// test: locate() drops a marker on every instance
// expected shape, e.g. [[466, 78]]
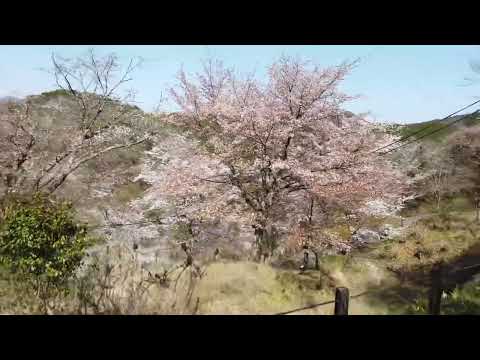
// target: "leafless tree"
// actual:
[[443, 171], [104, 120], [464, 147]]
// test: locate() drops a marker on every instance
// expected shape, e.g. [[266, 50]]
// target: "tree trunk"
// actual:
[[477, 208], [438, 198], [265, 240]]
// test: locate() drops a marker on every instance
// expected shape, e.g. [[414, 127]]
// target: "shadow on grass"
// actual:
[[410, 296], [396, 300]]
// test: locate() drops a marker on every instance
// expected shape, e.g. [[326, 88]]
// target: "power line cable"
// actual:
[[350, 164], [431, 133], [426, 127]]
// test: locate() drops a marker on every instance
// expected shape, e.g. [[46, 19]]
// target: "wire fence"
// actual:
[[435, 294], [321, 304]]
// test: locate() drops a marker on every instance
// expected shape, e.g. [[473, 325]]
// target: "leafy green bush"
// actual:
[[41, 243], [463, 300]]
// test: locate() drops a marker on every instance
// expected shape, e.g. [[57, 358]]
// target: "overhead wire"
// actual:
[[426, 127]]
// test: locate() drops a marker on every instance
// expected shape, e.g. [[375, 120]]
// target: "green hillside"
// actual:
[[436, 126]]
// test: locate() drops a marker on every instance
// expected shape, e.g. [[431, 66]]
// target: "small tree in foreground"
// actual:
[[42, 244]]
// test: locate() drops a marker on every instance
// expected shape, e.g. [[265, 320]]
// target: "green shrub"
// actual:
[[41, 243], [464, 300]]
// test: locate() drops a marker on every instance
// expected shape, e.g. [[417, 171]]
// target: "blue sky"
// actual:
[[396, 83]]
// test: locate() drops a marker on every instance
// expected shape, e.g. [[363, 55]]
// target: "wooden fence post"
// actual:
[[477, 207], [341, 301], [436, 290]]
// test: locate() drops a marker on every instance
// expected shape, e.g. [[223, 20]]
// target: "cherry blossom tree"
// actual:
[[279, 140]]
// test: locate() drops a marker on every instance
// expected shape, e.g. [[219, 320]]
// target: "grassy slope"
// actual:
[[251, 288]]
